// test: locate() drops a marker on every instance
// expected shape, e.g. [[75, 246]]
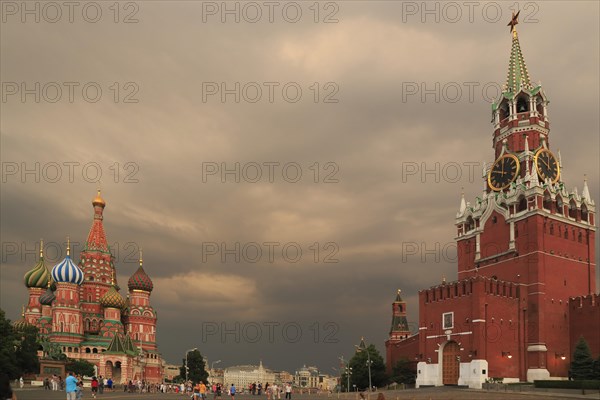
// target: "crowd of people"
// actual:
[[73, 385]]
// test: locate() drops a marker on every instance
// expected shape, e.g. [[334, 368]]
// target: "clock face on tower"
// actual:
[[547, 165], [504, 171]]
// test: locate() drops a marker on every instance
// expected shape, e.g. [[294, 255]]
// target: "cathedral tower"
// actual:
[[97, 264], [66, 314]]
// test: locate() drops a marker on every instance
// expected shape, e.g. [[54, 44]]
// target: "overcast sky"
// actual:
[[340, 101]]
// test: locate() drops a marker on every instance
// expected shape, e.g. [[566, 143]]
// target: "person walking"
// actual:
[[232, 391], [79, 389], [202, 390], [288, 391], [71, 386], [94, 386]]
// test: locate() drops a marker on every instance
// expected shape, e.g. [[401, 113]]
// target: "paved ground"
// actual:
[[416, 394]]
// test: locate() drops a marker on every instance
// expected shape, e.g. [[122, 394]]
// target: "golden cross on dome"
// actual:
[[514, 21]]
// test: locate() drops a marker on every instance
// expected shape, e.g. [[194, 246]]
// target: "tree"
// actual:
[[8, 357], [80, 367], [404, 371], [582, 366], [360, 369], [196, 371], [27, 349]]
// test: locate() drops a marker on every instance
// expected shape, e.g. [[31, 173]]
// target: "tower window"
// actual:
[[579, 237], [559, 205], [503, 110], [573, 210], [539, 105], [522, 104], [584, 213], [522, 204], [547, 202]]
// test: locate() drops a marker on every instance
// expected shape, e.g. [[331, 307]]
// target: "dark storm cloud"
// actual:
[[371, 136]]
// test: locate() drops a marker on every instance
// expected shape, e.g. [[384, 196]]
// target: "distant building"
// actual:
[[216, 376], [283, 377], [327, 382], [244, 375], [171, 371], [307, 377]]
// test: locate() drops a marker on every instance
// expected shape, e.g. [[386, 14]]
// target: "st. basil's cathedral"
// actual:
[[78, 308], [526, 287]]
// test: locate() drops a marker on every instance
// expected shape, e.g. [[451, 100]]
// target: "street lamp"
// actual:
[[186, 363], [348, 370], [369, 362]]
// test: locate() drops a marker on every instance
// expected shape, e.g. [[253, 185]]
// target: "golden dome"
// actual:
[[98, 200]]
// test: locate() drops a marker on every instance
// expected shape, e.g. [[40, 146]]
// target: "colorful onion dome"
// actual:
[[48, 297], [22, 323], [113, 299], [66, 271], [98, 200], [140, 280], [38, 276]]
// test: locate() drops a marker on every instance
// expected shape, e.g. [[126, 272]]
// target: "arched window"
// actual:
[[579, 237], [87, 350], [522, 104], [470, 224], [584, 213], [504, 110], [522, 206], [539, 105], [559, 205], [573, 209], [566, 232], [552, 229], [95, 350], [547, 201]]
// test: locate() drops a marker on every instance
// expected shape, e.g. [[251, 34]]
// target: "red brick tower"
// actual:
[[399, 331], [140, 319], [526, 260], [526, 227], [96, 262]]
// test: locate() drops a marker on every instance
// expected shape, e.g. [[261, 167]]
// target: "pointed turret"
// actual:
[[585, 192], [399, 329], [463, 204], [518, 76], [96, 237]]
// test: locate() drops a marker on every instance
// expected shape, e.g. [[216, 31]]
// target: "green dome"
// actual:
[[113, 299], [38, 276]]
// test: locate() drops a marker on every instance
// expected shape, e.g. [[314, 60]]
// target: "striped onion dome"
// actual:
[[48, 297], [22, 323], [66, 271], [140, 280], [38, 276], [113, 299]]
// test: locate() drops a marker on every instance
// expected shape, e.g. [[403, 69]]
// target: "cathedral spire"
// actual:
[[585, 193], [518, 76], [97, 238]]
